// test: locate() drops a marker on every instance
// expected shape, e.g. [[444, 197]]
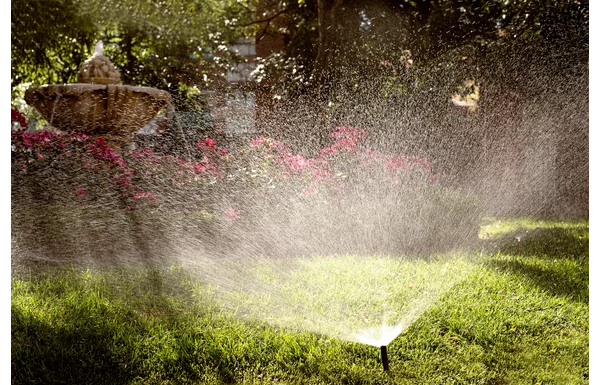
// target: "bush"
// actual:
[[348, 199], [73, 192]]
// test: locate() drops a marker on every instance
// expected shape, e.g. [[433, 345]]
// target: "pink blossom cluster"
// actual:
[[209, 148], [102, 151], [38, 139], [75, 151], [232, 215], [337, 173], [141, 176], [347, 157], [17, 116], [347, 137]]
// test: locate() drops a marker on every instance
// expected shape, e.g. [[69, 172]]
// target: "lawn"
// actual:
[[513, 310]]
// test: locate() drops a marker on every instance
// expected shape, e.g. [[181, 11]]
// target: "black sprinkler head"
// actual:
[[384, 359]]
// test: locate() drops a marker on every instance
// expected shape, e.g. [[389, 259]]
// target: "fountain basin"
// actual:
[[111, 110]]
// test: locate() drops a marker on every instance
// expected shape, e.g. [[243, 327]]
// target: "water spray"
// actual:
[[384, 359], [380, 336]]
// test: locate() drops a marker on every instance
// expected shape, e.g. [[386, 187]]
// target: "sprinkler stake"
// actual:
[[384, 359]]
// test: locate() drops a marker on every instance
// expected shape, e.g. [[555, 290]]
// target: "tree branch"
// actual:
[[266, 20]]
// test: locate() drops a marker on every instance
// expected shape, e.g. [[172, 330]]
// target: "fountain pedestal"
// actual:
[[115, 112], [98, 106]]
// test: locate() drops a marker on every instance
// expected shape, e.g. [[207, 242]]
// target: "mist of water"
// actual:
[[363, 270]]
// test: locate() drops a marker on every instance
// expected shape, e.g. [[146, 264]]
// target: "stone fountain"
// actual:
[[98, 104]]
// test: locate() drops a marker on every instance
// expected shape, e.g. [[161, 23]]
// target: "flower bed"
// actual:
[[263, 199]]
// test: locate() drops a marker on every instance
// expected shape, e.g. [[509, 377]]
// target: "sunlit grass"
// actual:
[[343, 296], [495, 228], [517, 315]]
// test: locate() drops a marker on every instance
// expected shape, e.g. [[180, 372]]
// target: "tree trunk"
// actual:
[[324, 64], [326, 52]]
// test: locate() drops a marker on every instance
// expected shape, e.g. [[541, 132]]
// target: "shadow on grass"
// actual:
[[77, 334], [554, 259], [77, 353], [565, 281], [551, 243]]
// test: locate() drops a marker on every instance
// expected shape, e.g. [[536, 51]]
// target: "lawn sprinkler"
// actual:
[[384, 359], [380, 336]]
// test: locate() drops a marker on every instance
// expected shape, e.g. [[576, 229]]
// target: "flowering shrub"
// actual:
[[338, 168], [17, 117], [348, 198], [91, 165], [72, 163]]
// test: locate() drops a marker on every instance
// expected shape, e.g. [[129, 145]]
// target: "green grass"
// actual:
[[517, 313], [339, 296]]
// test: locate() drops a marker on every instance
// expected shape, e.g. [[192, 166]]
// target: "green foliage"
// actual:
[[49, 40], [143, 33], [157, 44], [167, 43], [375, 35]]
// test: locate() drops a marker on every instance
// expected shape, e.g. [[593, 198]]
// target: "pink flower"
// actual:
[[259, 141], [215, 170], [145, 194], [100, 150], [124, 180], [345, 145], [396, 164], [296, 162], [40, 138], [199, 167], [145, 153], [206, 144], [423, 163], [326, 152], [309, 192], [78, 137], [16, 116], [80, 191], [319, 174], [100, 142], [232, 214]]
